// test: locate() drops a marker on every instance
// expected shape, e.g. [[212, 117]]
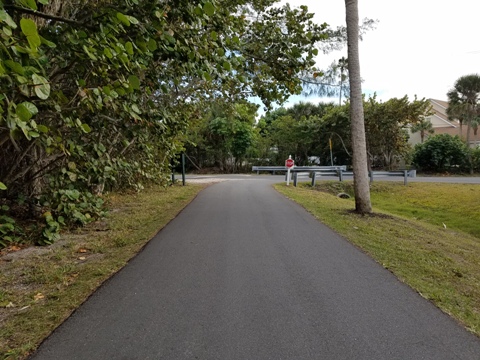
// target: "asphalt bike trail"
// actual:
[[245, 273]]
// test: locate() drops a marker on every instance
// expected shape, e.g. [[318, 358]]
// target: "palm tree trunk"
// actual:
[[469, 125], [469, 152], [359, 161]]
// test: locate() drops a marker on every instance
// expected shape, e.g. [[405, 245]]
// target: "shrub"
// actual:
[[476, 159], [441, 153], [9, 230]]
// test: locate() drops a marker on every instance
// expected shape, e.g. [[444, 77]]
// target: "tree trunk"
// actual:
[[359, 161], [471, 112], [469, 152]]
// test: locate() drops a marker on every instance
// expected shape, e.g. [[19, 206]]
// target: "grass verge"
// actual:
[[407, 236], [41, 286]]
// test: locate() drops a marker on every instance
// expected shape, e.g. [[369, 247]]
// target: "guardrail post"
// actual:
[[183, 169], [314, 175], [295, 178], [340, 175], [370, 173], [405, 174]]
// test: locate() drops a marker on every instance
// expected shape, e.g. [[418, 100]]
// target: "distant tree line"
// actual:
[[230, 140]]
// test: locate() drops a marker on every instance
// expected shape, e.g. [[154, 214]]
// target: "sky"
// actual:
[[419, 47]]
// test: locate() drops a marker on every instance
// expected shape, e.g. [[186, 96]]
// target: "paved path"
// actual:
[[280, 178], [244, 273]]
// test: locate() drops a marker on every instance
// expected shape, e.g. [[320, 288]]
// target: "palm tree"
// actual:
[[455, 112], [463, 103], [424, 127], [361, 186]]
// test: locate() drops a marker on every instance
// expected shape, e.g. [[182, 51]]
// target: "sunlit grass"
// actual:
[[407, 236]]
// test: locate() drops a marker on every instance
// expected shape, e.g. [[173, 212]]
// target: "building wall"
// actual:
[[441, 125]]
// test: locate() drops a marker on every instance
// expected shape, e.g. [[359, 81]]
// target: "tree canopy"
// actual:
[[97, 95], [306, 131], [463, 104]]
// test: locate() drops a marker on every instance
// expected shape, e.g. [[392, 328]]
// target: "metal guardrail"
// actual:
[[339, 171], [274, 169], [372, 174]]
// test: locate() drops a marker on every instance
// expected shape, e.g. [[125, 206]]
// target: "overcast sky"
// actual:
[[418, 47]]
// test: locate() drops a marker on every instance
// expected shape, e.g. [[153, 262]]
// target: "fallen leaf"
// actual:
[[70, 279], [82, 250], [15, 248], [82, 258], [10, 305], [39, 297]]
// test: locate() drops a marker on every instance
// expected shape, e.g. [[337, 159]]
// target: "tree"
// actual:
[[463, 103], [97, 97], [335, 129], [424, 127], [386, 124], [330, 82], [361, 183], [333, 81], [223, 137], [294, 131]]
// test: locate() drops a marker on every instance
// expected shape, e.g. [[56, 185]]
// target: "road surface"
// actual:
[[244, 273]]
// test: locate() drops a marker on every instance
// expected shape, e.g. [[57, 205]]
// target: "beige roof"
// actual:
[[441, 117], [440, 102]]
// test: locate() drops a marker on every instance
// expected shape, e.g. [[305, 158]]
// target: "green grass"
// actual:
[[40, 287], [406, 235], [434, 203]]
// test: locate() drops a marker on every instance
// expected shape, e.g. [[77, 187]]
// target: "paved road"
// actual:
[[244, 273], [281, 178]]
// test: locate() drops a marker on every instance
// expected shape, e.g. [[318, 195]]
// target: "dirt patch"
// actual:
[[4, 314], [25, 253], [369, 215]]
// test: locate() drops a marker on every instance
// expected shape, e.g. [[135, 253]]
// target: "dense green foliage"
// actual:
[[441, 152], [223, 138], [97, 95], [476, 159], [306, 131], [463, 105], [463, 101], [294, 131]]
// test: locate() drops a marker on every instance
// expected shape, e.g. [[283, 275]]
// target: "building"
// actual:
[[442, 125]]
